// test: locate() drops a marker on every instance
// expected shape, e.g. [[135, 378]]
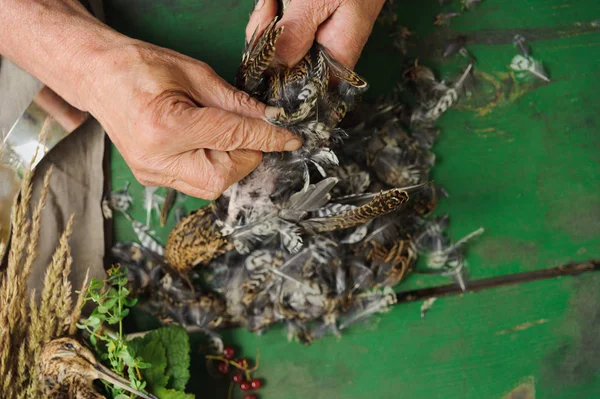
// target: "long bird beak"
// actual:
[[107, 375]]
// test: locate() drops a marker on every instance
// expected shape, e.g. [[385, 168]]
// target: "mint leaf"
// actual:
[[152, 352], [172, 394]]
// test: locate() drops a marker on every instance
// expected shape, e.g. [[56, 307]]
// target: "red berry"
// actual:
[[251, 396], [255, 383], [223, 367], [245, 386], [238, 377], [228, 352], [243, 363]]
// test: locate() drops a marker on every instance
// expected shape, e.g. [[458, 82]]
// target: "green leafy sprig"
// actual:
[[112, 305], [158, 362]]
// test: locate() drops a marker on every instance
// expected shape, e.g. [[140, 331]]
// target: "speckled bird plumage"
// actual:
[[195, 240], [68, 369], [317, 237]]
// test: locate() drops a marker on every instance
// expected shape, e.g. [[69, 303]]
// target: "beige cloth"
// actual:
[[77, 183], [76, 188]]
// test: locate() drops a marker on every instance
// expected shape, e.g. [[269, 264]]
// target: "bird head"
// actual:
[[67, 358]]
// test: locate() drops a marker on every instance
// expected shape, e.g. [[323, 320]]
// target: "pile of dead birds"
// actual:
[[316, 238]]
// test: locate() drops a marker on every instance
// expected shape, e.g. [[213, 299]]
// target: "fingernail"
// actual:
[[258, 4], [292, 144], [273, 112]]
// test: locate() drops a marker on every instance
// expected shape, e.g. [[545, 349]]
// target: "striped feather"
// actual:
[[384, 203], [258, 58], [341, 72]]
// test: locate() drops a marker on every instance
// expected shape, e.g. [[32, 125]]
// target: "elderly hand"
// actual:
[[175, 122], [341, 26], [178, 124]]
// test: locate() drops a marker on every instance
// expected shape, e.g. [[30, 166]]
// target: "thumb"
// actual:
[[301, 21]]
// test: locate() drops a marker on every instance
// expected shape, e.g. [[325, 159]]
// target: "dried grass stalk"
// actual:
[[2, 250], [24, 325], [76, 313]]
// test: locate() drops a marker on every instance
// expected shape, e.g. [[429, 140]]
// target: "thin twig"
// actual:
[[571, 269]]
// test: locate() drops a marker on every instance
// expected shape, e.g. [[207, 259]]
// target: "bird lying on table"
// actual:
[[68, 370]]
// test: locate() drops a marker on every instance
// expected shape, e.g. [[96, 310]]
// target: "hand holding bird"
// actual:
[[341, 26]]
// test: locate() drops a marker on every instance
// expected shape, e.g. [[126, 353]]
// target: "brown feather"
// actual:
[[384, 203], [258, 57], [195, 240], [342, 72]]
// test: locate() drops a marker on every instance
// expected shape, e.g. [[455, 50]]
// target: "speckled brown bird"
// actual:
[[195, 240], [68, 370]]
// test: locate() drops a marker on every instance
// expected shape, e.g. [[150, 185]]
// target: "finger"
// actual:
[[175, 172], [234, 165], [213, 91], [345, 34], [215, 129], [301, 21], [262, 15], [208, 173], [192, 191]]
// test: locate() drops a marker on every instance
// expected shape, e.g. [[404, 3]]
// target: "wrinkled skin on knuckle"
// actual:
[[225, 141], [217, 183], [161, 120], [202, 187], [150, 164], [244, 101], [159, 87], [321, 8], [296, 33], [202, 173], [348, 46], [231, 135]]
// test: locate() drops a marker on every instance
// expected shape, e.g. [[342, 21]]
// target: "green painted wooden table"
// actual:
[[521, 159]]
